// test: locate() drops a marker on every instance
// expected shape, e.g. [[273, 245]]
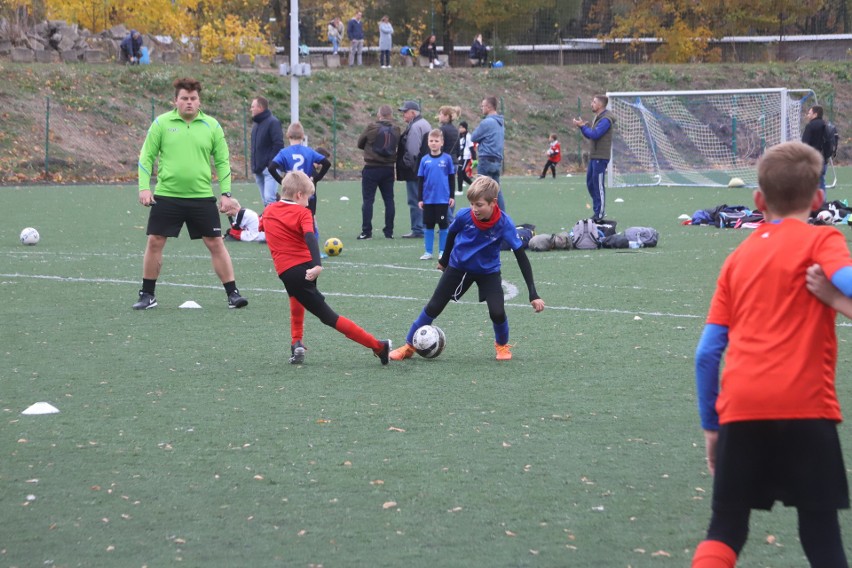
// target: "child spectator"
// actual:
[[290, 237], [245, 224], [770, 425], [473, 255], [429, 50], [436, 174], [554, 155], [467, 154]]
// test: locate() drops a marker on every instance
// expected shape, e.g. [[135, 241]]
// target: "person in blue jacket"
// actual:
[[131, 48]]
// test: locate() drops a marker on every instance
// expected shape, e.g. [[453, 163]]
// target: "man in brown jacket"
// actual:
[[379, 142]]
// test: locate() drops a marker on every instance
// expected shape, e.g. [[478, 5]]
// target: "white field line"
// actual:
[[511, 291]]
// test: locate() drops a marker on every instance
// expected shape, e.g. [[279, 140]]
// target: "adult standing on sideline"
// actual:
[[490, 135], [355, 33], [385, 42], [814, 136], [335, 34], [450, 133], [599, 134], [183, 140], [380, 142], [412, 147], [267, 138], [478, 52]]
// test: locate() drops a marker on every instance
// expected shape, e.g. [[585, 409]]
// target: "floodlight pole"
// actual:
[[294, 61]]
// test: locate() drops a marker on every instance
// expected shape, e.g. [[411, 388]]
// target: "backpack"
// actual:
[[830, 141], [386, 141], [729, 216], [526, 232], [585, 236], [542, 242]]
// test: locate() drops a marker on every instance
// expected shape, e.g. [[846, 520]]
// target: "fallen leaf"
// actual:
[[258, 477], [661, 553], [770, 539], [395, 429], [510, 533], [454, 510], [507, 445], [388, 504], [377, 482], [302, 532]]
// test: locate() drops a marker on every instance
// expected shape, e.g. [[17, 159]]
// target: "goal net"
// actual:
[[699, 138]]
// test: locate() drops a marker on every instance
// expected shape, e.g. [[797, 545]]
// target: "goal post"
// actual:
[[699, 138]]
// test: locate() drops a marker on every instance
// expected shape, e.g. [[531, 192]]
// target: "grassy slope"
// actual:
[[99, 113]]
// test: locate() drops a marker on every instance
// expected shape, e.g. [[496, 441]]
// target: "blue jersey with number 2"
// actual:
[[298, 158]]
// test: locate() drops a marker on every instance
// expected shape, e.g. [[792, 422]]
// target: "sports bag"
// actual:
[[830, 141], [585, 236], [386, 141], [645, 235], [542, 242]]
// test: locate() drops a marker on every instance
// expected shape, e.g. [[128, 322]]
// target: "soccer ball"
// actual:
[[825, 217], [29, 236], [333, 246], [429, 341]]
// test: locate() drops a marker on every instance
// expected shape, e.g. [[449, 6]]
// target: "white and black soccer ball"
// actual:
[[30, 236], [825, 217], [429, 341]]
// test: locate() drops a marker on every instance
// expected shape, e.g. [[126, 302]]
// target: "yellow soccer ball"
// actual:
[[333, 246]]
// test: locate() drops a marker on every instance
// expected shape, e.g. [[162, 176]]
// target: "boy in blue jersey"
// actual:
[[473, 255], [300, 158], [437, 174]]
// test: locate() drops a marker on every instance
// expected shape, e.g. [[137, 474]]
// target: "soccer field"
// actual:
[[185, 438]]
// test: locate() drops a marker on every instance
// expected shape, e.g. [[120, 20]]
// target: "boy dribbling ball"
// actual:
[[290, 236], [472, 254], [770, 425]]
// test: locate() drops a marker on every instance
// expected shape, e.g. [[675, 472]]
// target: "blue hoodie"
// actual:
[[490, 135]]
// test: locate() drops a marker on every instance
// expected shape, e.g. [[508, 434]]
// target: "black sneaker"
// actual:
[[297, 351], [364, 237], [146, 301], [236, 301], [384, 352]]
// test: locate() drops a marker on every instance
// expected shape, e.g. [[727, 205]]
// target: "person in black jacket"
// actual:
[[478, 52], [814, 136], [429, 50], [267, 139]]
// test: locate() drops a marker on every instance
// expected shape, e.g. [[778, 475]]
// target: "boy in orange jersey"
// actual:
[[770, 425], [289, 229]]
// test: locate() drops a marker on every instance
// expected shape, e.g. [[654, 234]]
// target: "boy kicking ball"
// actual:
[[472, 254], [290, 236], [770, 425]]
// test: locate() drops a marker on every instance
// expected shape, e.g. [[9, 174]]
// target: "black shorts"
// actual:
[[307, 293], [201, 216], [435, 214], [453, 285], [797, 462]]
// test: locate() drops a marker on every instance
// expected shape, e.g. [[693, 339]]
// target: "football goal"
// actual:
[[699, 138]]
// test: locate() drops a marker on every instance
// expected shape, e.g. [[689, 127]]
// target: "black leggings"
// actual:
[[549, 166], [819, 532], [462, 177], [453, 285], [307, 293]]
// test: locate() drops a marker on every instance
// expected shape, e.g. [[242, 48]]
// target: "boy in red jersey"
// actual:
[[554, 155], [770, 426], [289, 229]]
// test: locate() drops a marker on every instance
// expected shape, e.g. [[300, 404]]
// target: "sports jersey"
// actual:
[[298, 158], [782, 349], [436, 184], [184, 152], [476, 250], [285, 224], [554, 154], [246, 226]]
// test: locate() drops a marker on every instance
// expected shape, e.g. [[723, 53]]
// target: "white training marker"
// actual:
[[344, 198], [684, 217], [41, 408], [619, 200], [189, 304]]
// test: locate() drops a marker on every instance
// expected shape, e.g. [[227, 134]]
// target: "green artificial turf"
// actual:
[[185, 438]]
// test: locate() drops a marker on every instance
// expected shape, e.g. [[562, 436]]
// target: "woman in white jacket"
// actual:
[[335, 33], [385, 42]]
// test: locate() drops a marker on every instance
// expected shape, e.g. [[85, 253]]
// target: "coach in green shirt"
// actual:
[[183, 141]]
